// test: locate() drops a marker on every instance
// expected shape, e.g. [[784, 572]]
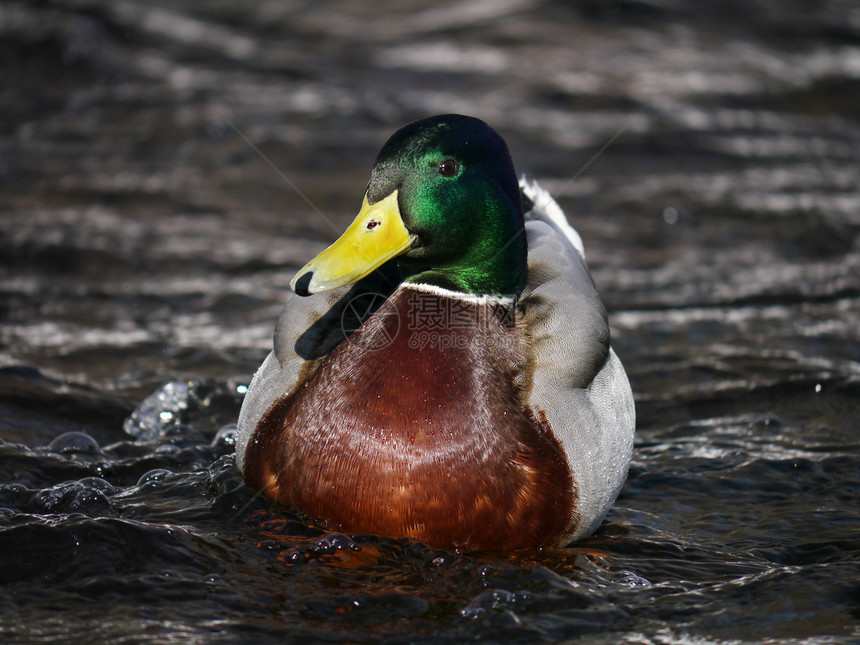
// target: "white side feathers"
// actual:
[[546, 209]]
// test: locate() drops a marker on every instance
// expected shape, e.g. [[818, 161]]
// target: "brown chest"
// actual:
[[414, 426]]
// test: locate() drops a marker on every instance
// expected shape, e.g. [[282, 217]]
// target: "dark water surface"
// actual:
[[146, 247]]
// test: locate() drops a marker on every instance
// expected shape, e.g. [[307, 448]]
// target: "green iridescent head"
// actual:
[[443, 199]]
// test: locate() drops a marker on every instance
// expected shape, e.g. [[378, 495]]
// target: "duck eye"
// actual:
[[372, 224], [449, 168]]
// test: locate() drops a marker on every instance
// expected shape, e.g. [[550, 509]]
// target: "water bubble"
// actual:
[[90, 502], [75, 442], [53, 500], [84, 496], [295, 557], [14, 488], [631, 579], [225, 439], [99, 484], [153, 476], [332, 542]]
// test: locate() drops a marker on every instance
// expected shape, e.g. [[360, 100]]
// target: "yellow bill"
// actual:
[[375, 236]]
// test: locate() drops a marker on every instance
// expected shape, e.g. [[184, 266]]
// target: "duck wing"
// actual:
[[574, 379]]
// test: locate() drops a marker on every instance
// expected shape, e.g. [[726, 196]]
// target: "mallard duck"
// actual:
[[443, 371]]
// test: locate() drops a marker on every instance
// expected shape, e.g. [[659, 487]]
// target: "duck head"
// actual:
[[444, 200]]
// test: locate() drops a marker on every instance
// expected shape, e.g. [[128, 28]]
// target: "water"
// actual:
[[146, 247]]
